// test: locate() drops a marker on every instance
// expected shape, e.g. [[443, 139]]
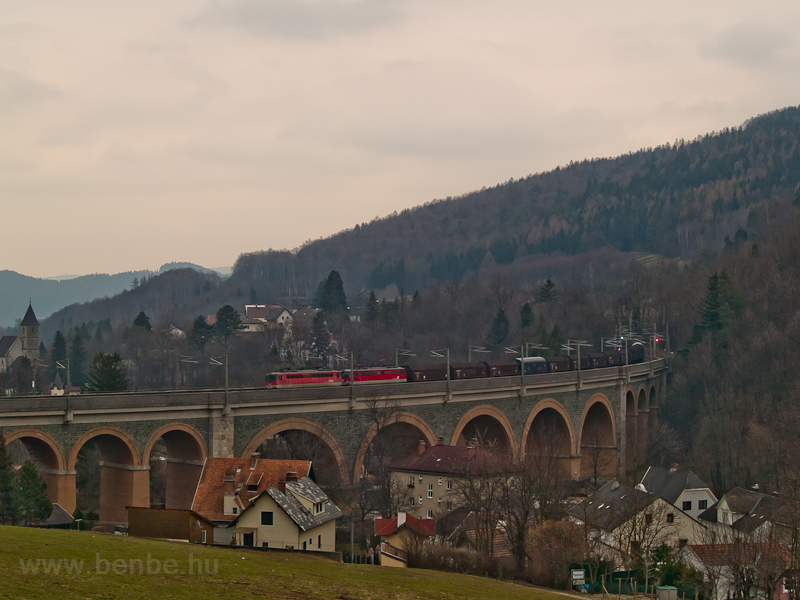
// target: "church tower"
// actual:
[[29, 335]]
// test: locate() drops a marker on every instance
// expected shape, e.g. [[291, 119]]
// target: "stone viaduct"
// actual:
[[606, 412]]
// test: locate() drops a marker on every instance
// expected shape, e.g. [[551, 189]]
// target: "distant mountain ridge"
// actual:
[[50, 295]]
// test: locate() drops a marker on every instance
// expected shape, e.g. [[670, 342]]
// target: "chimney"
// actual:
[[254, 460], [282, 485], [440, 441], [674, 467], [229, 482], [421, 448], [291, 476]]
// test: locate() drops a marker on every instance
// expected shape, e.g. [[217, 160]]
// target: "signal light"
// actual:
[[657, 340]]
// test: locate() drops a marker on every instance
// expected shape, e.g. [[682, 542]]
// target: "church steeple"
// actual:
[[29, 335], [29, 320]]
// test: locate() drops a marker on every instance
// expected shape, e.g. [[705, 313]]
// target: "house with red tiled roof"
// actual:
[[228, 486], [431, 476], [398, 533]]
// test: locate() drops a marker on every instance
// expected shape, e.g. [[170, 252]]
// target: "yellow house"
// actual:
[[294, 515], [399, 534]]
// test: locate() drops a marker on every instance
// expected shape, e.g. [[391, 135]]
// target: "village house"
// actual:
[[294, 515], [228, 486], [399, 534], [740, 569], [626, 522], [259, 317], [679, 487], [742, 513], [430, 477]]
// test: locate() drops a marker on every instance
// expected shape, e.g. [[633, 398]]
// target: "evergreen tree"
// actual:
[[499, 330], [371, 310], [525, 322], [557, 339], [333, 299], [143, 321], [77, 361], [107, 374], [201, 333], [58, 352], [548, 291], [33, 504], [228, 322], [8, 505]]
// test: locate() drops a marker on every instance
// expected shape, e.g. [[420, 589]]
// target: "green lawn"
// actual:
[[238, 573]]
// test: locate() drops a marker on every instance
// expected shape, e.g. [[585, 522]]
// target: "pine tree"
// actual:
[[228, 322], [32, 500], [525, 322], [143, 321], [107, 374], [201, 333], [333, 299], [499, 330], [371, 310], [548, 291], [8, 505], [58, 352], [77, 361]]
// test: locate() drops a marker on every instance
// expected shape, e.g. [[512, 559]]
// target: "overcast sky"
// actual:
[[134, 133]]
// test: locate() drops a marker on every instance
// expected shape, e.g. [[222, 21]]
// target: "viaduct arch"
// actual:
[[300, 424]]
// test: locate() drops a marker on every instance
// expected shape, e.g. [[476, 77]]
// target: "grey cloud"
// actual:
[[751, 45], [302, 19], [19, 91]]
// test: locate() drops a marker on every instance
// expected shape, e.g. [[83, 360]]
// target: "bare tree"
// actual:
[[480, 489], [388, 493], [530, 492]]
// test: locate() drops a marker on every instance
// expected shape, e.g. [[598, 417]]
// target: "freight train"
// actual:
[[530, 366]]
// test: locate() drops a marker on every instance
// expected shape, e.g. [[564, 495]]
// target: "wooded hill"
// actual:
[[677, 200]]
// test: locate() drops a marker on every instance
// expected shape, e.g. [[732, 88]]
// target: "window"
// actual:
[[687, 505], [702, 504], [430, 513], [203, 536], [265, 544], [420, 478], [449, 505], [411, 481], [420, 500], [449, 485], [670, 518], [235, 510], [319, 541], [648, 519], [430, 490], [304, 545], [266, 517], [439, 499], [252, 488], [411, 500], [440, 481]]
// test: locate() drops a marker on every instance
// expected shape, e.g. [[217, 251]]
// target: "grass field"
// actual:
[[92, 565]]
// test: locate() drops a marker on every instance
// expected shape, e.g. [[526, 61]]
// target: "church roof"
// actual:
[[5, 344], [29, 320]]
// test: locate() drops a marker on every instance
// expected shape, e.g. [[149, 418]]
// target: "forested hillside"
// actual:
[[677, 200]]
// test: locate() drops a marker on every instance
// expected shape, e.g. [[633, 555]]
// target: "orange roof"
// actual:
[[208, 499], [424, 527]]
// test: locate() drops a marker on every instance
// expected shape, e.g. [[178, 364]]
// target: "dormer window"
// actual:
[[252, 488], [235, 510]]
